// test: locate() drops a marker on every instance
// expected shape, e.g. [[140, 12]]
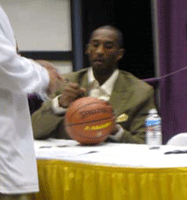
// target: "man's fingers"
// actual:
[[60, 77], [74, 86], [51, 69], [83, 90]]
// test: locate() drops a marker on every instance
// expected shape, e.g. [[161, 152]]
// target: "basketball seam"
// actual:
[[90, 137]]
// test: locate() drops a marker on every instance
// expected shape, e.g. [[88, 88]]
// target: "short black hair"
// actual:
[[118, 32]]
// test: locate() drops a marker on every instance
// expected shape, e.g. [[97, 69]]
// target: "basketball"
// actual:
[[89, 120]]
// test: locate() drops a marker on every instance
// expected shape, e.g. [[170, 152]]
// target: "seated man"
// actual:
[[130, 97]]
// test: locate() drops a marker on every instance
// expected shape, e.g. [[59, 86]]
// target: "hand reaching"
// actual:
[[56, 79]]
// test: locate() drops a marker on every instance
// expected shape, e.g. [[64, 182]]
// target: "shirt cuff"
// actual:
[[118, 135], [56, 108]]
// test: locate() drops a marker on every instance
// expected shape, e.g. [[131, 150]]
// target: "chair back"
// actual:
[[153, 81], [35, 102]]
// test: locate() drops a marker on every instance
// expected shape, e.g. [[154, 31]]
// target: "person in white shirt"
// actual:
[[18, 77], [130, 97]]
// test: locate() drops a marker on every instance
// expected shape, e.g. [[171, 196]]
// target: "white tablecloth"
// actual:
[[112, 154]]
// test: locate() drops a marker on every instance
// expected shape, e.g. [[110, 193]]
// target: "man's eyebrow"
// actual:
[[110, 42], [94, 40], [97, 40]]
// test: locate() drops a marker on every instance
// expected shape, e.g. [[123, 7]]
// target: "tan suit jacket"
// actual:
[[131, 99]]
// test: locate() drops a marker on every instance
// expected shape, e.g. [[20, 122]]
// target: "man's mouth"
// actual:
[[99, 61]]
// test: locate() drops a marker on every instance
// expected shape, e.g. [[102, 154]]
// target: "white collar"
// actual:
[[108, 85]]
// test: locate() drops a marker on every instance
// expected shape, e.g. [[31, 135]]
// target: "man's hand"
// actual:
[[71, 92], [56, 79]]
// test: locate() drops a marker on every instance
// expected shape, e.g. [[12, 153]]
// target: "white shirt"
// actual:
[[105, 90], [18, 76], [102, 92]]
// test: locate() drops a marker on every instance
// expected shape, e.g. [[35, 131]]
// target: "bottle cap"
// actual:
[[153, 111]]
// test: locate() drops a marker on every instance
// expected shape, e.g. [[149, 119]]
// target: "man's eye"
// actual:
[[109, 46], [95, 44]]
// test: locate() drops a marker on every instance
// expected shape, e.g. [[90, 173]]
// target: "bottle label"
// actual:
[[153, 135]]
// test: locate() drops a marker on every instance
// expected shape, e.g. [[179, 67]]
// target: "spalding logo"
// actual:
[[87, 113]]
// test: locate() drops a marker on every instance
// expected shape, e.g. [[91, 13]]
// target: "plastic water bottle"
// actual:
[[153, 130]]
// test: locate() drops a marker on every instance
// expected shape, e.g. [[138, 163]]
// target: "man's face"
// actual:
[[103, 49]]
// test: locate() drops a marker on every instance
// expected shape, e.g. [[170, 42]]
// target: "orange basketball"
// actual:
[[89, 120]]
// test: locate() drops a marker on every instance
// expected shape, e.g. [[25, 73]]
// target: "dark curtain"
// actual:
[[172, 37], [133, 18]]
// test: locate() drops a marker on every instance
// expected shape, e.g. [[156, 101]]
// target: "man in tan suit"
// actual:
[[130, 97]]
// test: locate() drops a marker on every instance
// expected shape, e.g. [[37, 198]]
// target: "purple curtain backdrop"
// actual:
[[172, 37]]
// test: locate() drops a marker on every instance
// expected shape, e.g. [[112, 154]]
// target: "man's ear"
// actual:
[[121, 53]]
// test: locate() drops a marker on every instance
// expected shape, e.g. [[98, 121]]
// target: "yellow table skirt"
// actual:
[[62, 180]]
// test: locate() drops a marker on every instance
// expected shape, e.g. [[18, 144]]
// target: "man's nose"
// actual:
[[100, 49]]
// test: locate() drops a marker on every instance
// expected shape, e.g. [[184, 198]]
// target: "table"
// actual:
[[110, 171]]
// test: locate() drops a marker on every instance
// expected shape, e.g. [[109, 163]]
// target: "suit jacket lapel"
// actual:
[[84, 83], [120, 95]]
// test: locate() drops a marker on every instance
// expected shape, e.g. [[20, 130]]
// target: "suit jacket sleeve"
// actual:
[[45, 122]]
